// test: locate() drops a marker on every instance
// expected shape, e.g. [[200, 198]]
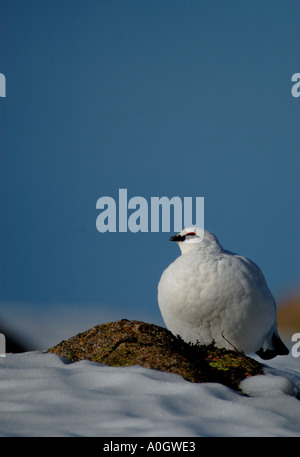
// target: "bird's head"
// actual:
[[194, 239]]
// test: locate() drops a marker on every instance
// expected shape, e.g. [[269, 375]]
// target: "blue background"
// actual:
[[163, 98]]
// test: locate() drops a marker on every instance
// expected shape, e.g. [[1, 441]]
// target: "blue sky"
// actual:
[[162, 98]]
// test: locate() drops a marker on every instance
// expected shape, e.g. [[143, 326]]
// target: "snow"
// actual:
[[44, 395]]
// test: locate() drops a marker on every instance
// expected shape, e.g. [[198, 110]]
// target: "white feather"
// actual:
[[210, 295]]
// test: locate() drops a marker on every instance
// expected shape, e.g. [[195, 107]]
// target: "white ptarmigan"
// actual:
[[210, 295]]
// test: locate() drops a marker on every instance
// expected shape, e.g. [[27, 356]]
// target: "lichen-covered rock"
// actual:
[[126, 343]]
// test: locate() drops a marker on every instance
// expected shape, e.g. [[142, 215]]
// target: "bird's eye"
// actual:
[[190, 234]]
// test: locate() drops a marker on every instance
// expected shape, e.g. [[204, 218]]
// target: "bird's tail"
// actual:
[[279, 348]]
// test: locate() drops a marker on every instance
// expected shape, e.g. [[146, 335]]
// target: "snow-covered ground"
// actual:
[[44, 395]]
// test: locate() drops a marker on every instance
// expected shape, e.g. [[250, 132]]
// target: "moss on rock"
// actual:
[[127, 343]]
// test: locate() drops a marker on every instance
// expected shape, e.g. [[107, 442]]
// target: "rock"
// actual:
[[126, 343]]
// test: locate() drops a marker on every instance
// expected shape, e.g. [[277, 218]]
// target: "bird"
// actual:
[[209, 295]]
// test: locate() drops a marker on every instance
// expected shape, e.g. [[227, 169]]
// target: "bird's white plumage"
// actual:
[[210, 295]]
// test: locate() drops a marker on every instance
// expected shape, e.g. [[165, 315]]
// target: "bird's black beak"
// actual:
[[177, 238]]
